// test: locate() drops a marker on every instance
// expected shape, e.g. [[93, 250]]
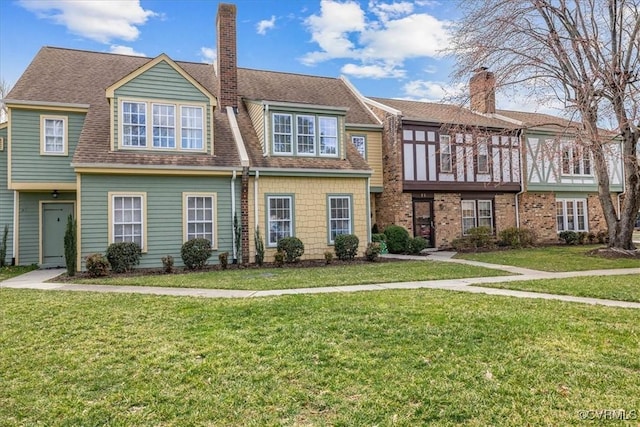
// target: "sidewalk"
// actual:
[[37, 279]]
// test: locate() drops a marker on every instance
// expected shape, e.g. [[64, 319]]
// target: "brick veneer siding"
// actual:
[[538, 213], [392, 205], [504, 211], [447, 217], [597, 221]]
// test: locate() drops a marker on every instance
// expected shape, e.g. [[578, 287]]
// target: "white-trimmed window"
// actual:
[[127, 218], [482, 156], [360, 143], [476, 213], [200, 216], [306, 134], [134, 124], [282, 134], [54, 135], [279, 218], [328, 135], [192, 128], [164, 125], [339, 216], [575, 160], [571, 215], [445, 154]]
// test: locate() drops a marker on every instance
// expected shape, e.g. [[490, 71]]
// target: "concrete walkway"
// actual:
[[37, 279]]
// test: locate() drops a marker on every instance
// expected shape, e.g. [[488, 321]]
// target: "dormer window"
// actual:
[[164, 126], [313, 134], [134, 124]]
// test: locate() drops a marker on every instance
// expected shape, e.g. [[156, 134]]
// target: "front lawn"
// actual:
[[552, 258], [8, 272], [419, 357], [295, 277], [620, 288]]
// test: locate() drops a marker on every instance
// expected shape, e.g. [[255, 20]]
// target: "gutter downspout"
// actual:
[[255, 199], [14, 232], [522, 173], [233, 215], [265, 115]]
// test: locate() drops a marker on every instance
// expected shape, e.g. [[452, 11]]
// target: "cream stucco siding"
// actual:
[[310, 197]]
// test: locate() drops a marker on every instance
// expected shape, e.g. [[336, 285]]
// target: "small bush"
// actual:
[[346, 246], [603, 237], [328, 257], [70, 248], [3, 246], [195, 253], [97, 265], [481, 237], [592, 238], [167, 264], [223, 257], [583, 237], [569, 237], [397, 239], [417, 245], [372, 252], [259, 247], [123, 256], [278, 258], [378, 237], [464, 244], [292, 247], [517, 237]]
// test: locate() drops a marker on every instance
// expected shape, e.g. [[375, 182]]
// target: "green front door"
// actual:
[[54, 224]]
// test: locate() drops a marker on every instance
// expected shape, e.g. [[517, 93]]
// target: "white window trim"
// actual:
[[317, 152], [292, 134], [483, 150], [173, 126], [149, 125], [364, 144], [268, 214], [65, 136], [476, 214], [337, 136], [349, 198], [314, 135], [582, 154], [111, 195], [214, 216], [565, 221], [445, 140]]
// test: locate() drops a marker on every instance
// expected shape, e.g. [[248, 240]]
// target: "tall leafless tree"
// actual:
[[5, 87], [585, 53]]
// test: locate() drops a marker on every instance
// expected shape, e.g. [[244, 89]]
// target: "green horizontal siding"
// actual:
[[6, 199], [164, 212], [29, 225], [27, 165], [162, 82]]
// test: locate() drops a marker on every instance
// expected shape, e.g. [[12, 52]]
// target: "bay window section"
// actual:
[[339, 216], [279, 218], [134, 124], [164, 126], [306, 135], [328, 135], [282, 134], [192, 128]]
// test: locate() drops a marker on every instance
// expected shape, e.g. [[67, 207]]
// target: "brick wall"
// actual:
[[538, 213], [227, 61], [597, 221], [504, 211], [447, 218]]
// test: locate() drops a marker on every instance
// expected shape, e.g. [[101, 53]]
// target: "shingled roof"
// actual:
[[58, 75], [442, 113]]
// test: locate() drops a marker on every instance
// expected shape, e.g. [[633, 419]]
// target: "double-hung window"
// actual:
[[306, 134], [279, 218], [128, 215], [328, 135], [571, 214], [199, 214], [483, 156], [54, 135], [339, 216], [282, 134], [445, 154], [134, 124], [476, 213], [164, 126], [575, 160], [360, 143], [192, 128]]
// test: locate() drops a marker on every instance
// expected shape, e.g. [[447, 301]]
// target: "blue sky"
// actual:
[[385, 48]]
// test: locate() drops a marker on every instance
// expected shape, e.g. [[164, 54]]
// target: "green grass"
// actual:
[[13, 271], [620, 288], [420, 357], [288, 278], [552, 258]]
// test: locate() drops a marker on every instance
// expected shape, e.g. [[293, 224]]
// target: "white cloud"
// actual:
[[101, 21], [372, 71], [266, 24], [208, 55], [125, 50], [433, 91], [390, 34]]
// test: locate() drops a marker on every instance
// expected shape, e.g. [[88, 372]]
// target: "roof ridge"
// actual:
[[288, 72]]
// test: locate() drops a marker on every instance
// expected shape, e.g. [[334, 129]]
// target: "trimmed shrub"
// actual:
[[195, 253], [517, 237], [582, 237], [167, 264], [346, 246], [372, 251], [397, 239], [259, 247], [378, 237], [417, 245], [3, 246], [97, 265], [70, 248], [569, 237], [292, 247], [278, 258], [603, 237], [592, 238], [481, 237], [464, 244], [123, 256], [328, 257], [223, 257]]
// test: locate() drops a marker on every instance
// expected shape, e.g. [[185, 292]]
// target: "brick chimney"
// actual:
[[227, 58], [483, 91]]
